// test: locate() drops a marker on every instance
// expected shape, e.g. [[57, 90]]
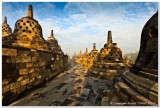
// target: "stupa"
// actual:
[[53, 43], [139, 85], [84, 60], [110, 61], [78, 59], [27, 34], [6, 30], [92, 56]]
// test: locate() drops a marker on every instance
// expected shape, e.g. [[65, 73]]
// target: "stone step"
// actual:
[[144, 86], [105, 101], [130, 96], [148, 75], [136, 68], [151, 71]]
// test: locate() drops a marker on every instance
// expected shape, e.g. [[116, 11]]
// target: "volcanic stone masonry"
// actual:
[[110, 61], [87, 59], [78, 58], [84, 60], [6, 30], [139, 85], [92, 56], [27, 59]]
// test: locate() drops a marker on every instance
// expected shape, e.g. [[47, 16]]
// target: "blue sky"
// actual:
[[77, 25]]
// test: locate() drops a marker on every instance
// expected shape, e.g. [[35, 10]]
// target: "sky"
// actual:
[[77, 25]]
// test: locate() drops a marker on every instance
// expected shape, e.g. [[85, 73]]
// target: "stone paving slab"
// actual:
[[61, 90], [85, 92]]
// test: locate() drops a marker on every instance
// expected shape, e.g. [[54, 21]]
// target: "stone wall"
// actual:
[[28, 60], [23, 69], [86, 60]]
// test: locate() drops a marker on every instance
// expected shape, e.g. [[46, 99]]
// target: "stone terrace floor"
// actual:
[[71, 88]]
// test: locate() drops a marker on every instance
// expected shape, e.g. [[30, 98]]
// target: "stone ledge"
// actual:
[[105, 101], [126, 90], [144, 86], [141, 81]]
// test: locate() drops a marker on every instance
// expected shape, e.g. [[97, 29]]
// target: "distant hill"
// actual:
[[132, 56]]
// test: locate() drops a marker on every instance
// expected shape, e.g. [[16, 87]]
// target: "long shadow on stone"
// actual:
[[89, 86], [67, 102], [60, 85]]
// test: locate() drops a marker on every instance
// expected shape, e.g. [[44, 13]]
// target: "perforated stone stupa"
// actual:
[[6, 30], [53, 43], [139, 85], [92, 56], [27, 34], [28, 60], [79, 58], [110, 61], [84, 61]]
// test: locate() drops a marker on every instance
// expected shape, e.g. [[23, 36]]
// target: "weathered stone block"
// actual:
[[108, 74], [26, 59], [18, 59], [101, 73], [38, 69], [32, 79], [53, 66], [29, 65], [124, 96], [20, 78], [5, 82], [34, 59], [39, 77], [36, 64], [37, 82], [42, 63], [20, 65], [9, 52], [21, 89], [100, 66], [14, 91], [155, 88], [153, 97], [23, 71], [31, 70], [24, 82], [106, 66], [9, 60], [85, 91], [111, 71], [105, 101], [6, 88], [15, 85], [153, 94], [34, 74], [23, 53], [27, 76], [115, 101]]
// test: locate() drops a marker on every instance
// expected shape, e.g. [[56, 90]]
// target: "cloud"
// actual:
[[82, 24]]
